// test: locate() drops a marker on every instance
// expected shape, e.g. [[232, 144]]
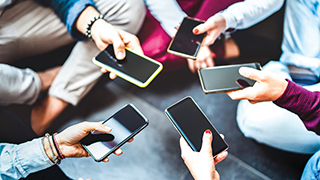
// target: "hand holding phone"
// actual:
[[185, 43], [125, 124], [268, 86], [220, 79], [137, 69], [189, 120]]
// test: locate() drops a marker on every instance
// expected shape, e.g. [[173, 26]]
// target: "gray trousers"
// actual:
[[29, 29]]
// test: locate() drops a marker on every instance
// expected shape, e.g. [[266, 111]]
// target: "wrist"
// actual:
[[49, 150], [85, 17]]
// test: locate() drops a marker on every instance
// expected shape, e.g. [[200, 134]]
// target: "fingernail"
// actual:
[[107, 128], [120, 55], [208, 131], [196, 31]]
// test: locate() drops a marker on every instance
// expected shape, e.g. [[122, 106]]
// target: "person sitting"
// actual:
[[289, 95], [45, 25]]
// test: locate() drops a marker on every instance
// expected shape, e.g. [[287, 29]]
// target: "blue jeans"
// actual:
[[312, 168]]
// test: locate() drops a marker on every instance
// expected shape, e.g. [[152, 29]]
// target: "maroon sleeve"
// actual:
[[304, 103]]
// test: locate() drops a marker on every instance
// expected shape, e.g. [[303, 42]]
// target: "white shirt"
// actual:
[[244, 14], [240, 15]]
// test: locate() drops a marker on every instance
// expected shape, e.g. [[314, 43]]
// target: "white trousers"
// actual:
[[29, 29]]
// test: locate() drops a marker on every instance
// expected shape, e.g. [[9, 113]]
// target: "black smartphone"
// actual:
[[185, 43], [137, 69], [189, 120], [125, 124], [225, 78]]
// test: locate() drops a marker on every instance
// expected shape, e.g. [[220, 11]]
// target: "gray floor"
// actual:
[[154, 153]]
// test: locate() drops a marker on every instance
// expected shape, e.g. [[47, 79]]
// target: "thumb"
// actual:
[[206, 142], [251, 73], [94, 126], [119, 48]]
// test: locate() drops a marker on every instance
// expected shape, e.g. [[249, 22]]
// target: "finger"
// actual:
[[220, 157], [222, 136], [130, 140], [131, 41], [106, 160], [103, 70], [191, 65], [185, 148], [251, 73], [245, 93], [254, 101], [112, 75], [119, 48], [203, 65], [118, 152], [202, 28], [206, 142], [94, 126], [210, 62]]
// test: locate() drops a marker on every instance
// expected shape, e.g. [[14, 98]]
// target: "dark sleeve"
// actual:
[[68, 11], [304, 103]]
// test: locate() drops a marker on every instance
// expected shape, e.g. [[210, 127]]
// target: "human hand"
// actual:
[[268, 87], [105, 34], [69, 139], [202, 164], [214, 26], [204, 59]]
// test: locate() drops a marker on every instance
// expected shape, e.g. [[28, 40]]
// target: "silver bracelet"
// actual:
[[89, 25], [55, 158]]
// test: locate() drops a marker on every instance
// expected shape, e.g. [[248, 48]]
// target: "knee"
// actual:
[[127, 15], [311, 170], [135, 15]]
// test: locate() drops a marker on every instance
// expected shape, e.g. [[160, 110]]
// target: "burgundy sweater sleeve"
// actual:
[[304, 103]]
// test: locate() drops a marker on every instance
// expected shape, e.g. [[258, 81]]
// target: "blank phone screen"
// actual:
[[124, 123], [185, 41], [133, 65], [225, 78], [192, 123]]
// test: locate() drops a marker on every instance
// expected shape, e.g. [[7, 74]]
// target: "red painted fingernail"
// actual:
[[196, 31], [208, 131]]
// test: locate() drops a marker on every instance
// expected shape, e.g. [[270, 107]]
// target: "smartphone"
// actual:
[[185, 43], [125, 124], [189, 120], [137, 69], [225, 78]]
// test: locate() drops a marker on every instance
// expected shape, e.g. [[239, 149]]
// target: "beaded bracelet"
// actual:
[[57, 146], [89, 25], [55, 158]]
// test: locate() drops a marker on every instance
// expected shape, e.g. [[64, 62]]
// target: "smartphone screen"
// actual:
[[225, 78], [185, 43], [126, 123], [139, 70], [191, 123]]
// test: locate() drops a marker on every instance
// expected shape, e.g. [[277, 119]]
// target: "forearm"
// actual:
[[304, 103], [18, 161], [244, 14], [69, 11]]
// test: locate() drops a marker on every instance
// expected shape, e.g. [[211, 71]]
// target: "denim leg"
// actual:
[[301, 35], [312, 168]]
